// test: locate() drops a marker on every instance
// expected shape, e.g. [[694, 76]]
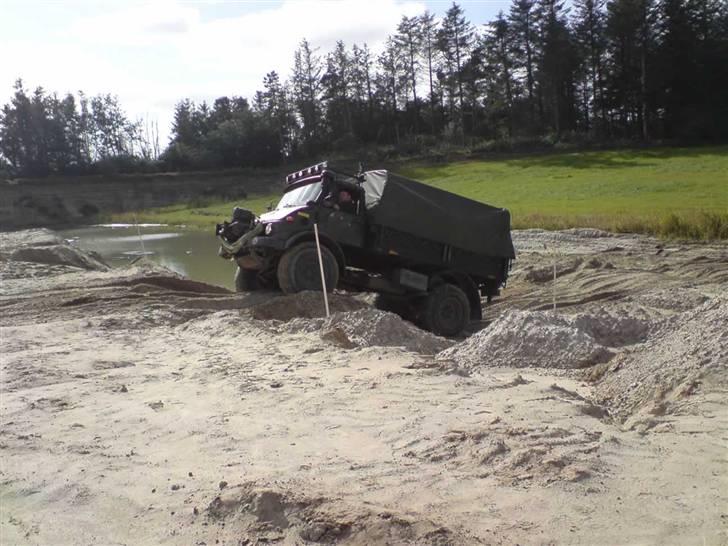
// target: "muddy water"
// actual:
[[188, 252]]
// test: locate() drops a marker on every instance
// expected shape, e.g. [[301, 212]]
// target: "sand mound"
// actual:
[[29, 237], [275, 514], [588, 233], [542, 274], [671, 300], [174, 284], [688, 354], [585, 241], [225, 323], [59, 254], [43, 246], [512, 455], [372, 327], [529, 338], [307, 304], [615, 326]]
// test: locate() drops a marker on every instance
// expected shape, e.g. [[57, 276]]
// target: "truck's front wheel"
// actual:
[[246, 280], [446, 310], [298, 269]]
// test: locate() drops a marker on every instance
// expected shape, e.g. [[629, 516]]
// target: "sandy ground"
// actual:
[[141, 408]]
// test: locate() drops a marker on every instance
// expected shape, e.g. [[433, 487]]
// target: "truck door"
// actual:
[[345, 228], [345, 223]]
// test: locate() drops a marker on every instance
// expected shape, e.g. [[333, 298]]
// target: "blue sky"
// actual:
[[154, 53]]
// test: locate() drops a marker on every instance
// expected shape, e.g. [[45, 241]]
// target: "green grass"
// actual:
[[670, 192], [197, 214]]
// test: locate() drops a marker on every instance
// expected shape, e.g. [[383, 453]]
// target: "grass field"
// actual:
[[198, 214], [671, 192]]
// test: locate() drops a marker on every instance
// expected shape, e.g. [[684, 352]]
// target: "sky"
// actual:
[[151, 54]]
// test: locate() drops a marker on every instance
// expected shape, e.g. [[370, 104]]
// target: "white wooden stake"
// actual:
[[321, 267], [139, 233], [554, 287], [553, 253]]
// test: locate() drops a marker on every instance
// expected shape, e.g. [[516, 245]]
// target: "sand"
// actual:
[[370, 328], [687, 355], [139, 407], [539, 339]]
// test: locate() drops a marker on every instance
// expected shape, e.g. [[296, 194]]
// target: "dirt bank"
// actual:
[[63, 201], [139, 407]]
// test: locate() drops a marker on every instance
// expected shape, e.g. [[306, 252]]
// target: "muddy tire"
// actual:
[[298, 269], [246, 280], [446, 311]]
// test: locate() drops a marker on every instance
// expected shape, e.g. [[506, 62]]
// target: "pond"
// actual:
[[188, 252]]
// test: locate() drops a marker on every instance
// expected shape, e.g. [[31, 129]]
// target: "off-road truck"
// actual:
[[430, 255]]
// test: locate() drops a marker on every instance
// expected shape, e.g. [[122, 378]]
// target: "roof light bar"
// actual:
[[312, 170]]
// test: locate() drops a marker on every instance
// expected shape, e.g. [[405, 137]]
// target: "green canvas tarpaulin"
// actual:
[[431, 213]]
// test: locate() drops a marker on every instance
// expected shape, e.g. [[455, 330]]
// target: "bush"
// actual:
[[347, 143], [88, 210], [6, 170], [180, 157], [125, 164]]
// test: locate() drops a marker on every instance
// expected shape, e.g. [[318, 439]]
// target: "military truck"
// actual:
[[430, 255]]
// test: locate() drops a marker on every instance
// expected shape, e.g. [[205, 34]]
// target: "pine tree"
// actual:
[[428, 35], [630, 31], [408, 39], [589, 27], [523, 23], [693, 56], [390, 82], [336, 85], [500, 54], [274, 106], [16, 134], [362, 76], [557, 65], [455, 38], [306, 86]]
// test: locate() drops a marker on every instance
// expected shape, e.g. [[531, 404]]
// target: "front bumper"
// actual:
[[270, 243], [262, 245]]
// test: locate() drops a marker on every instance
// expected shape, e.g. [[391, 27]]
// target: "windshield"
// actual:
[[300, 196]]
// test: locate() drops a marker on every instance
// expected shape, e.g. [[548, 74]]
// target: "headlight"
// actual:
[[268, 229]]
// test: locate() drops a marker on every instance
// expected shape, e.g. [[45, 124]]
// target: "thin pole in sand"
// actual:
[[321, 267], [554, 287], [139, 233]]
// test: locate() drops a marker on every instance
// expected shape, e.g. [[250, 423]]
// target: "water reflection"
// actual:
[[190, 253], [144, 236]]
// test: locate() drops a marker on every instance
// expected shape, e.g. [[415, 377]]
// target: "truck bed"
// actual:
[[429, 213]]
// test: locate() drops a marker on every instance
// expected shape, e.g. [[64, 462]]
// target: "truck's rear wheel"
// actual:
[[446, 310], [246, 280], [298, 269]]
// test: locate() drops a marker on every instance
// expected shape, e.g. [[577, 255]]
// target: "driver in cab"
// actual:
[[342, 200]]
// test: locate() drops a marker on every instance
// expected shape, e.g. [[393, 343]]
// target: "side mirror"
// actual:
[[269, 207], [311, 203]]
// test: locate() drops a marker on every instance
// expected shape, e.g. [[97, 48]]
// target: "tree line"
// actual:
[[600, 71], [42, 134]]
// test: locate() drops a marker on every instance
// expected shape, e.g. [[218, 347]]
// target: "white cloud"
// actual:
[[140, 24], [157, 53]]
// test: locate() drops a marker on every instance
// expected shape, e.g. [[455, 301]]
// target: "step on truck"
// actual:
[[430, 255]]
